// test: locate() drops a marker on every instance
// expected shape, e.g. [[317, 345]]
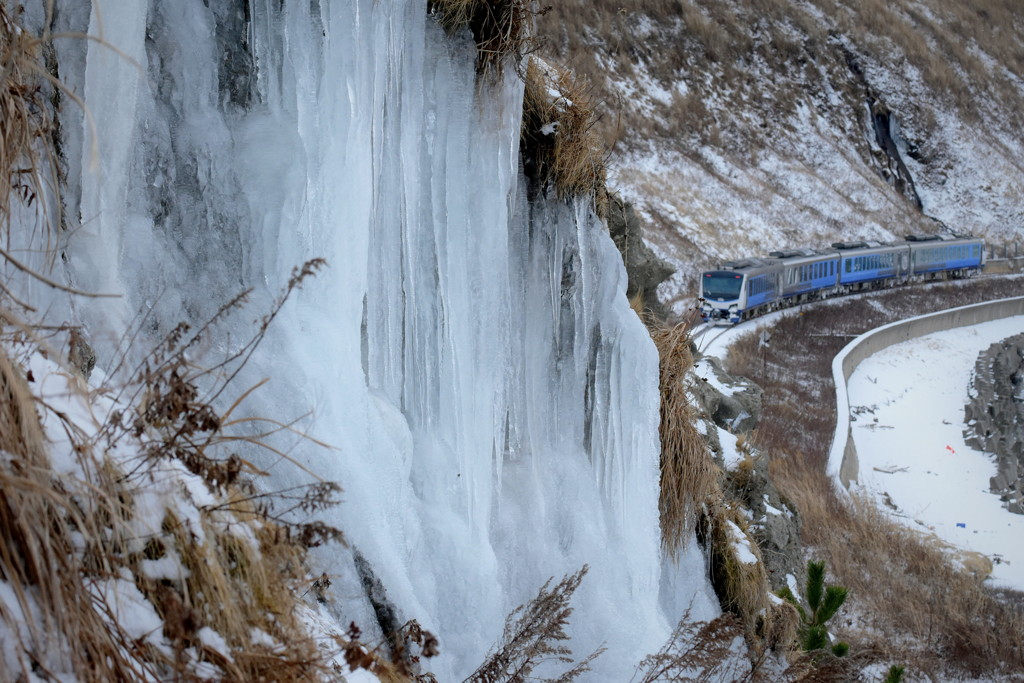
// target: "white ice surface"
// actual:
[[919, 389]]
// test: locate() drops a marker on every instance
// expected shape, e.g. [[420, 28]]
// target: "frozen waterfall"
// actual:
[[469, 352]]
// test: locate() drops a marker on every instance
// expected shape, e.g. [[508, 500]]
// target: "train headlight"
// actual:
[[734, 308]]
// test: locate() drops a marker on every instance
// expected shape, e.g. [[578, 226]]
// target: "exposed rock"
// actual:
[[738, 409], [774, 522], [643, 267], [994, 416], [385, 611], [734, 404], [80, 354]]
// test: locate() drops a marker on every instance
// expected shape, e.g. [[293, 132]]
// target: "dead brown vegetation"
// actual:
[[689, 477], [54, 612], [965, 54], [72, 554], [698, 651], [559, 144], [534, 635], [502, 29], [919, 608], [27, 122], [691, 498]]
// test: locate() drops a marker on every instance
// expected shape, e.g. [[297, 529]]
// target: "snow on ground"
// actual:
[[911, 449], [714, 340]]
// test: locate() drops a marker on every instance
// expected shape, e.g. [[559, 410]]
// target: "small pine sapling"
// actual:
[[895, 674], [822, 604]]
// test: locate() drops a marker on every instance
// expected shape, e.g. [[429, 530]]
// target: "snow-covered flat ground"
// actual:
[[910, 445]]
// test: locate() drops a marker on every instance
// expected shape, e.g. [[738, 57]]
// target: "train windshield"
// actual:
[[721, 285]]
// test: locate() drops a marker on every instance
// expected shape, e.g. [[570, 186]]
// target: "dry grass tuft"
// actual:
[[691, 499], [534, 633], [501, 28], [559, 143], [740, 579], [76, 548], [28, 125], [21, 435], [689, 477], [52, 619], [698, 651]]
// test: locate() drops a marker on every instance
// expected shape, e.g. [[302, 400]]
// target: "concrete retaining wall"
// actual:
[[842, 461]]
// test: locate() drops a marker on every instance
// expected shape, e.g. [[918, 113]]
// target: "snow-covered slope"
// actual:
[[742, 127], [491, 400]]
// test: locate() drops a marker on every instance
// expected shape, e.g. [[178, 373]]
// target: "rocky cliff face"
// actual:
[[995, 416]]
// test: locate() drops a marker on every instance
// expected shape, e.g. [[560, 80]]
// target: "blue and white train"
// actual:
[[744, 289]]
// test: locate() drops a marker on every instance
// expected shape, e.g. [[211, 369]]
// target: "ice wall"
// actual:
[[469, 354]]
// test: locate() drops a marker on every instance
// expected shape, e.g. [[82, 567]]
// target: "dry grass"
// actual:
[[689, 477], [75, 547], [903, 585], [534, 635], [791, 51], [742, 585], [697, 651], [501, 28], [919, 607], [559, 144], [54, 621], [691, 499], [25, 135]]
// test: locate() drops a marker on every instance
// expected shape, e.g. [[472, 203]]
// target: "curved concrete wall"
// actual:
[[842, 459]]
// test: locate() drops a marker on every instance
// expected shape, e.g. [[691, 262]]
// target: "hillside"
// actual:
[[742, 126], [315, 359]]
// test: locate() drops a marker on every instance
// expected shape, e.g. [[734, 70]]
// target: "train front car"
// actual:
[[722, 296], [739, 290]]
